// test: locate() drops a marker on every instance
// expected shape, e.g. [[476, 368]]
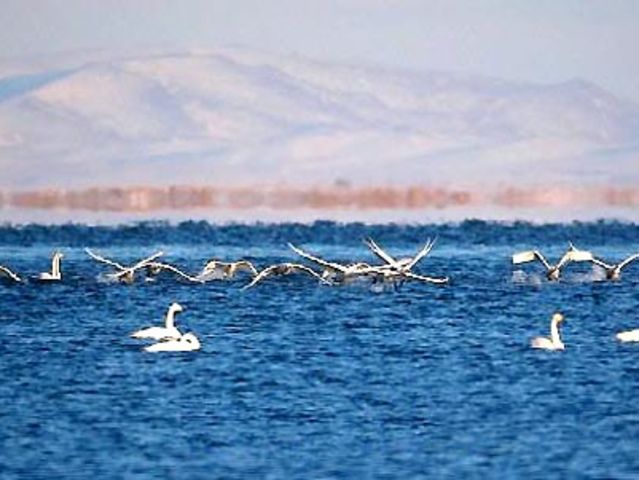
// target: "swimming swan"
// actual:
[[55, 275], [628, 336], [186, 343], [159, 333], [554, 342]]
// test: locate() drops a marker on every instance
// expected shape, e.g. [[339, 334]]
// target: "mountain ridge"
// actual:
[[234, 115]]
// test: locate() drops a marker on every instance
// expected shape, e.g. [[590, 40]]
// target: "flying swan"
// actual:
[[284, 269], [553, 271], [218, 269], [613, 272]]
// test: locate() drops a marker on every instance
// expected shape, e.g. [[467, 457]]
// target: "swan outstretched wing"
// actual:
[[261, 276], [529, 256], [13, 276], [101, 259], [290, 268], [310, 271], [423, 278], [601, 263], [631, 258], [246, 265], [324, 263], [177, 271], [380, 253], [574, 254], [421, 254]]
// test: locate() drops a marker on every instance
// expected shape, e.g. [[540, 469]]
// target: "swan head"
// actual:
[[210, 265], [557, 318], [176, 308], [58, 254]]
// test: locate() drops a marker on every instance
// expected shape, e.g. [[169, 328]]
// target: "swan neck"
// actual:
[[55, 266], [554, 333], [169, 321]]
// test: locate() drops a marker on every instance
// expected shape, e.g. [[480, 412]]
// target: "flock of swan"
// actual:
[[391, 270]]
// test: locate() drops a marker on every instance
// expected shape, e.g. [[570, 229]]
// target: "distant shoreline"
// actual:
[[345, 203]]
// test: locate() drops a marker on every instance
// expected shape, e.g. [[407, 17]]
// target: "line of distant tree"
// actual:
[[338, 196]]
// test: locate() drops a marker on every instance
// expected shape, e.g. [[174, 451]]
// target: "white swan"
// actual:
[[554, 342], [553, 271], [186, 343], [285, 269], [217, 269], [613, 271], [168, 331], [55, 275], [628, 336]]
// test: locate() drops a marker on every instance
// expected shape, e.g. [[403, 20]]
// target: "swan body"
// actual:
[[628, 336], [554, 342], [159, 333], [55, 275], [186, 343]]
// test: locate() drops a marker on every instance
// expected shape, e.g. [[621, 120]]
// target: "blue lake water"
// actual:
[[299, 380]]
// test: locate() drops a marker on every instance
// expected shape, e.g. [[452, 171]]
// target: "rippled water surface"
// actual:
[[299, 380]]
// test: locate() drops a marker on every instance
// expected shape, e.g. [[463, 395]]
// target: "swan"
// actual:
[[186, 343], [553, 271], [333, 269], [125, 274], [219, 269], [613, 272], [55, 275], [401, 269], [554, 342], [168, 331], [628, 336], [285, 269], [8, 273]]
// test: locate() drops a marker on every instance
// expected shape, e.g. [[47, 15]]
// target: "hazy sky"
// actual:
[[540, 40]]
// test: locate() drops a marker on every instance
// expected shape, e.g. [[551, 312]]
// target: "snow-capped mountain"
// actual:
[[234, 116]]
